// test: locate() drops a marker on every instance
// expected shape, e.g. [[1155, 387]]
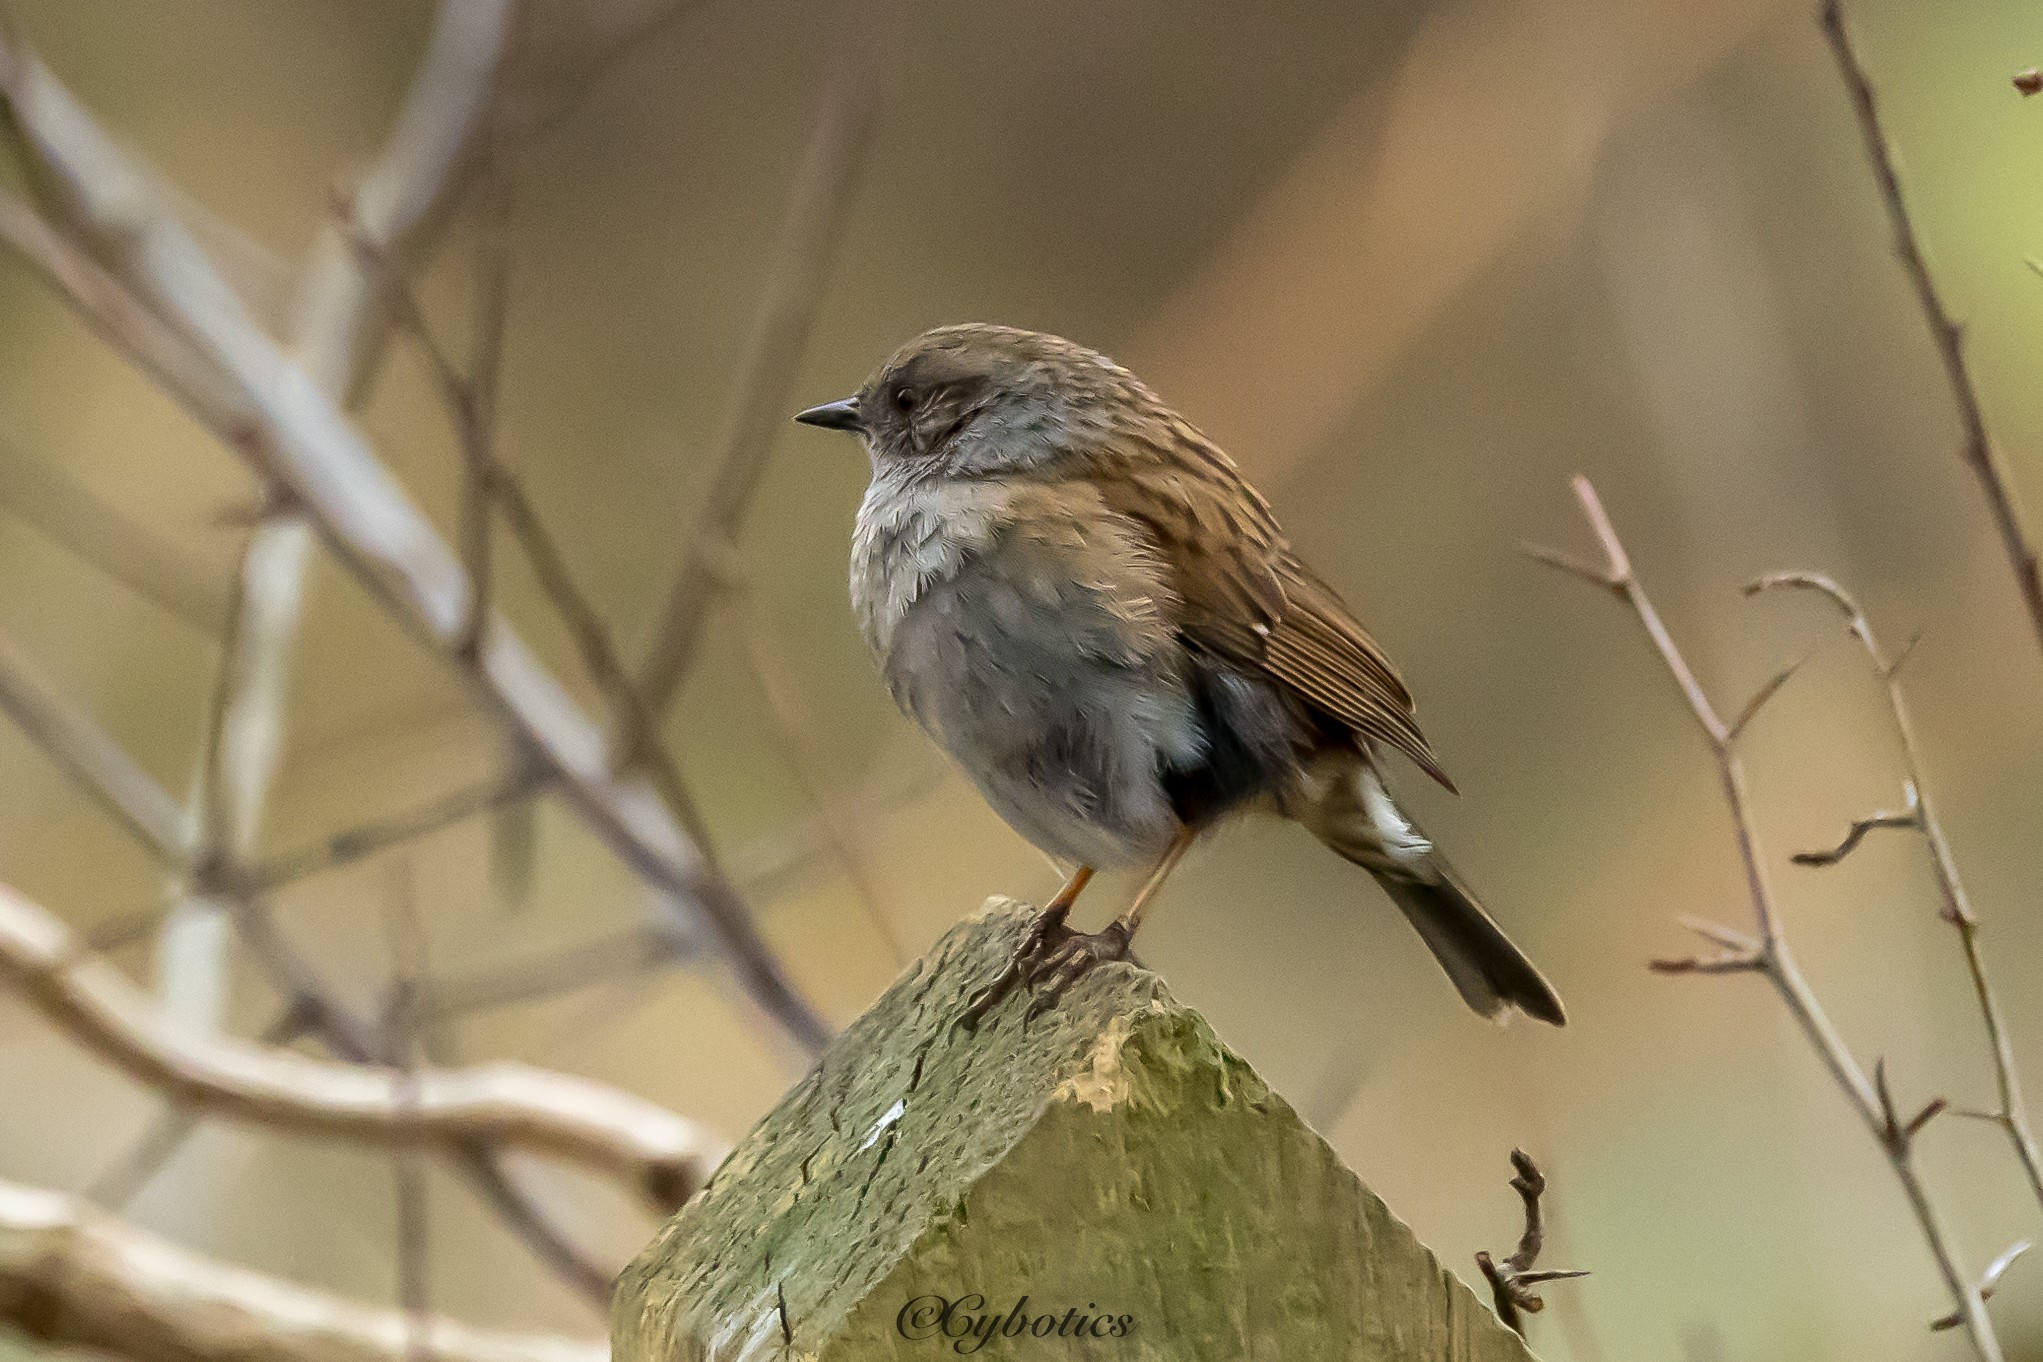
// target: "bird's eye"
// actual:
[[905, 399]]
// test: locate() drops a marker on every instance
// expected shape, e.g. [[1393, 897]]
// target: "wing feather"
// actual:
[[1246, 597]]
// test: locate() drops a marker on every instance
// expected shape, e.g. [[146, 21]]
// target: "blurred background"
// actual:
[[1413, 265]]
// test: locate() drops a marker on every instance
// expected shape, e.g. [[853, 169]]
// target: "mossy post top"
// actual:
[[1106, 1181]]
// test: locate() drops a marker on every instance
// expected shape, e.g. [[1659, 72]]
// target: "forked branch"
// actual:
[[664, 1156], [75, 1278], [1979, 452], [1512, 1280], [1767, 952], [1919, 813]]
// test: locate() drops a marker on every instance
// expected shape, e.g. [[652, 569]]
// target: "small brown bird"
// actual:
[[1080, 598]]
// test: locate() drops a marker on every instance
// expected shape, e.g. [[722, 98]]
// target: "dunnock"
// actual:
[[1081, 599]]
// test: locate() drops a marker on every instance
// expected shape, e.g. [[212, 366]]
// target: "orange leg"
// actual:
[[1172, 854], [1049, 927]]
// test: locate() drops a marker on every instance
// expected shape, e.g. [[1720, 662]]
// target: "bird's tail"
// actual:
[[1343, 802]]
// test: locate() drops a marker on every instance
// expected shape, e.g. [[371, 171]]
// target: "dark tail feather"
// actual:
[[1341, 800], [1488, 971]]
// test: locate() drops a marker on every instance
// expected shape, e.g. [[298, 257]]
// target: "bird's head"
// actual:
[[977, 400]]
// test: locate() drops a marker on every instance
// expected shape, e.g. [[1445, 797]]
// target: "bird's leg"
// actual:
[[1049, 925], [1063, 962]]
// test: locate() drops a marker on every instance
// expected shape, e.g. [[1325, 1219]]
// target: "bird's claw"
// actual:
[[1065, 961], [1049, 960]]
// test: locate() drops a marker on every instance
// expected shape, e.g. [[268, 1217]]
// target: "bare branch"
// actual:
[[1769, 954], [1511, 1280], [174, 1125], [70, 1276], [573, 88], [109, 540], [1574, 567], [663, 1155], [790, 725], [600, 960], [763, 398], [1759, 698], [1980, 453], [356, 844], [1857, 833], [407, 982], [300, 438], [88, 757], [1989, 1281], [1921, 813], [1741, 953], [356, 1040]]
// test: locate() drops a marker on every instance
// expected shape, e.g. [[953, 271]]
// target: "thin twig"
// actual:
[[110, 540], [408, 972], [789, 715], [663, 1156], [73, 1277], [1989, 1282], [1770, 954], [1979, 452], [2011, 1113], [577, 86], [585, 964], [355, 844], [92, 761], [174, 1125], [292, 431], [762, 402], [1512, 1280], [355, 1040], [1873, 822]]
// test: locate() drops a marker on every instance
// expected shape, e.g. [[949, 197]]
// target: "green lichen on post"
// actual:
[[1109, 1168]]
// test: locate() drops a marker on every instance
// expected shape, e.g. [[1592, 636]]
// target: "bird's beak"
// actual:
[[839, 415]]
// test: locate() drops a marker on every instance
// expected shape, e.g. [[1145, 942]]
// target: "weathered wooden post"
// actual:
[[1106, 1181]]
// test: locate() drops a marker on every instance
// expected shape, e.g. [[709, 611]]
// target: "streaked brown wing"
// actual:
[[1246, 596], [1323, 653]]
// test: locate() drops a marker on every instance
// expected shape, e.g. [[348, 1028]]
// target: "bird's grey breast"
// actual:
[[1026, 627]]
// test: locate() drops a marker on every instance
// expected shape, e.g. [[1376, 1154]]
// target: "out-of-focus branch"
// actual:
[[407, 989], [166, 1135], [665, 1156], [1768, 953], [1989, 1282], [73, 1277], [603, 959], [2011, 1112], [1979, 452], [569, 87], [93, 761], [336, 333], [109, 777], [763, 397], [766, 868], [358, 843], [789, 715], [1512, 1280], [355, 1039], [294, 433], [109, 540]]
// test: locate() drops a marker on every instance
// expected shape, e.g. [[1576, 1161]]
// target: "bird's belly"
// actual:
[[1061, 702]]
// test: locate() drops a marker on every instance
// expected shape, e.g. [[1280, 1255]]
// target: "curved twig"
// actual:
[[665, 1156], [269, 409], [1512, 1280], [1771, 956], [1979, 452], [72, 1276], [2012, 1114]]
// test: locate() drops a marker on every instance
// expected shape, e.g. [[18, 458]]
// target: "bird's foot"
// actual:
[[1049, 960]]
